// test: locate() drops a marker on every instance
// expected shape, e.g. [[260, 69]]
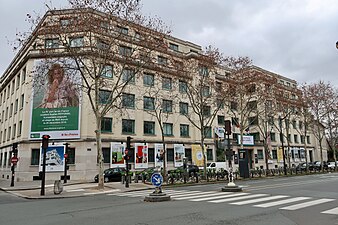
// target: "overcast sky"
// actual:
[[293, 38]]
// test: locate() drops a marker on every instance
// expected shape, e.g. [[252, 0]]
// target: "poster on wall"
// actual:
[[178, 155], [280, 154], [159, 155], [55, 106], [141, 156], [54, 158], [197, 155], [117, 151]]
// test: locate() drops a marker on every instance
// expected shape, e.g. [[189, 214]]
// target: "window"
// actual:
[[209, 154], [183, 108], [128, 100], [294, 124], [289, 138], [107, 71], [14, 131], [170, 154], [162, 60], [166, 83], [168, 129], [9, 133], [11, 110], [233, 105], [104, 97], [203, 70], [182, 86], [302, 139], [128, 126], [295, 138], [300, 125], [16, 105], [20, 128], [148, 103], [220, 120], [23, 75], [106, 155], [252, 105], [128, 75], [9, 90], [22, 101], [149, 127], [251, 88], [260, 154], [125, 51], [256, 136], [76, 42], [272, 136], [148, 79], [71, 155], [64, 22], [184, 130], [102, 45], [122, 30], [274, 154], [106, 124], [206, 91], [308, 140], [13, 86], [167, 106], [52, 43], [206, 111], [35, 156], [253, 120], [207, 132], [173, 46]]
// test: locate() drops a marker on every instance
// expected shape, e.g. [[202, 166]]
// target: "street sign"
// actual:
[[14, 160], [156, 179]]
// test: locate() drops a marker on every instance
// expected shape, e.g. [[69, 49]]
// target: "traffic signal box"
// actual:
[[45, 140]]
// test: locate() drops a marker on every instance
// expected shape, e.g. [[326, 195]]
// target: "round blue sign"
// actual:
[[156, 179]]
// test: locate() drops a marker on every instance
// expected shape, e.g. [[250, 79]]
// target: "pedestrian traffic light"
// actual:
[[227, 127], [45, 139], [15, 148]]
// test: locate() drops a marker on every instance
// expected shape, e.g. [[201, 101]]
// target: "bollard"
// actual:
[[58, 188]]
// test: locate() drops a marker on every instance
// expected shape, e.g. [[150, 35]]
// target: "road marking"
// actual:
[[331, 211], [259, 200], [307, 204], [222, 195], [270, 204], [237, 198], [191, 195], [102, 192], [75, 190]]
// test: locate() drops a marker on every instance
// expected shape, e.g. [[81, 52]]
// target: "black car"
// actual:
[[111, 174]]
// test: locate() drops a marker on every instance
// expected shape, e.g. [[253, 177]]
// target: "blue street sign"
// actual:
[[156, 179]]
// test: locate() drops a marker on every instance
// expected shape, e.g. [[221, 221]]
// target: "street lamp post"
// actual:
[[282, 140]]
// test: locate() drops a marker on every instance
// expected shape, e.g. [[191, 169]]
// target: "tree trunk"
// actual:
[[100, 153]]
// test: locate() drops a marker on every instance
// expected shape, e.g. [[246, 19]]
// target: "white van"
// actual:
[[216, 165]]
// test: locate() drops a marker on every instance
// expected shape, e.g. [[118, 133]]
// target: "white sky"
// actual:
[[294, 38]]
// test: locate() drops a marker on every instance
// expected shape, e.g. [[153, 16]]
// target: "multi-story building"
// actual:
[[151, 63]]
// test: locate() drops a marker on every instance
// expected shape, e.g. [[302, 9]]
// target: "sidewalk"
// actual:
[[32, 189]]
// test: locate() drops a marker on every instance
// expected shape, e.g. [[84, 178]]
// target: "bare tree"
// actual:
[[108, 43], [321, 99]]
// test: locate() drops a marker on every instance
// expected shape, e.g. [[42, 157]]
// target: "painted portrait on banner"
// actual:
[[141, 156], [56, 100], [159, 155], [178, 155], [197, 155]]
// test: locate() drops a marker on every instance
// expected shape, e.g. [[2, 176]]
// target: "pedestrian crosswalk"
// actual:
[[260, 200]]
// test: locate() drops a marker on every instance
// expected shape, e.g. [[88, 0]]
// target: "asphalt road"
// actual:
[[308, 200]]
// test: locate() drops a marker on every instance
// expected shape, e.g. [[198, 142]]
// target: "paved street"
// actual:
[[309, 200]]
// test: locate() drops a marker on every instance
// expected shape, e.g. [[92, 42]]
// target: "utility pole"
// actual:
[[66, 163], [45, 139]]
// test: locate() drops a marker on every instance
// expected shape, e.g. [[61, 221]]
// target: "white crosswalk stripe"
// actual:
[[237, 198], [242, 198], [333, 211], [282, 202], [259, 200], [307, 204]]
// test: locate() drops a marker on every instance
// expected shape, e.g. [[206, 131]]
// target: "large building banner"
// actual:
[[54, 158], [56, 100], [197, 155], [141, 156], [117, 151], [280, 154], [159, 155], [178, 154]]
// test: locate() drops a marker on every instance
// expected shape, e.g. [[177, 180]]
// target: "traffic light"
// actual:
[[128, 142], [45, 139], [15, 148], [228, 127]]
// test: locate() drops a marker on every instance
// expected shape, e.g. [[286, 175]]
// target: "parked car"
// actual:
[[111, 174], [317, 165], [301, 167], [331, 165]]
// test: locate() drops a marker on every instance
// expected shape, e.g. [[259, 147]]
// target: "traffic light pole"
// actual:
[[43, 176], [66, 162], [13, 174]]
